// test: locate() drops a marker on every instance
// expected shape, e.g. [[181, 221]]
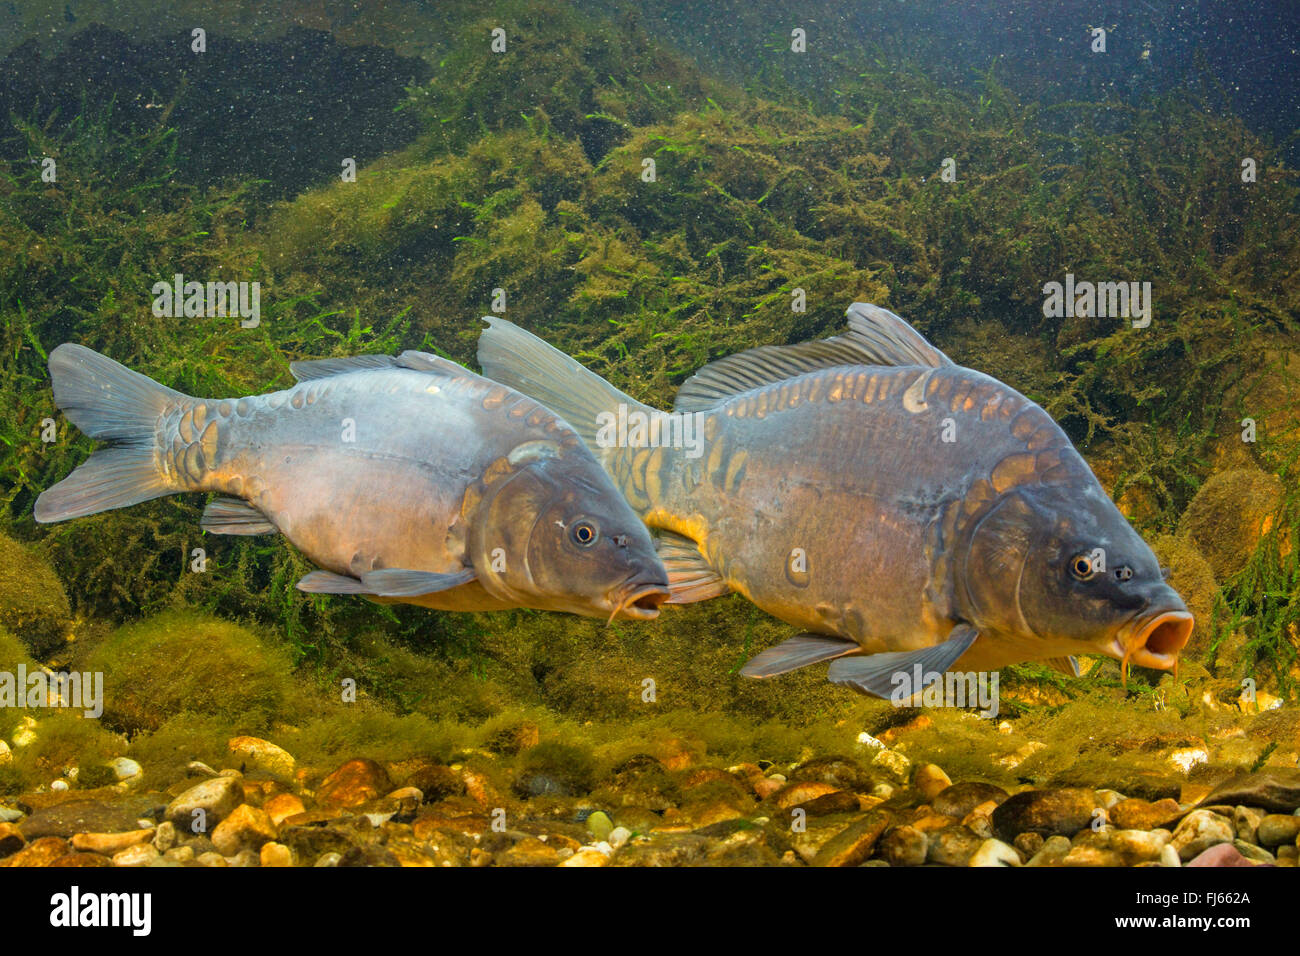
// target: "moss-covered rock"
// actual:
[[13, 652], [1229, 516], [33, 604], [185, 661], [1191, 576]]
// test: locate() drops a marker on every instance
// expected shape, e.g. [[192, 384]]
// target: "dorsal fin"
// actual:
[[876, 336], [323, 368], [410, 359]]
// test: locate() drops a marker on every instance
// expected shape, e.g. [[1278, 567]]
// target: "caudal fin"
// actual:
[[111, 403], [520, 360]]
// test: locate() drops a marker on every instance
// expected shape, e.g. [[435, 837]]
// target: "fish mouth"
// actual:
[[1153, 641], [639, 602]]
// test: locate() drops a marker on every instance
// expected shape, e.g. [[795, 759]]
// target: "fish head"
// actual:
[[1059, 564], [552, 532]]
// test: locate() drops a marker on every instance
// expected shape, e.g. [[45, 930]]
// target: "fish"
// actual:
[[405, 479], [897, 508]]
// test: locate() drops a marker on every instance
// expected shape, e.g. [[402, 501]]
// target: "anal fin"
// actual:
[[233, 516], [879, 674], [690, 576], [799, 651], [327, 582]]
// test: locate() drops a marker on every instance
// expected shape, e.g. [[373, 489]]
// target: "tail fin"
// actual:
[[520, 360], [111, 403]]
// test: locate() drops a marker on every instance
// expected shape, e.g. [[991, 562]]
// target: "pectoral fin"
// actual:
[[232, 516], [690, 576], [800, 651], [874, 674], [1066, 665], [399, 582]]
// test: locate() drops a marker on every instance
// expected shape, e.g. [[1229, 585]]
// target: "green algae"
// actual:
[[33, 603], [185, 661]]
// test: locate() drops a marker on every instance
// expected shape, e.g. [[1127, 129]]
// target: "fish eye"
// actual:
[[1081, 566], [584, 533]]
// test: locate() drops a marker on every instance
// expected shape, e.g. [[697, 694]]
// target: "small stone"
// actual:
[[798, 794], [1277, 829], [247, 827], [1054, 850], [1169, 856], [1092, 856], [124, 768], [587, 856], [1199, 831], [216, 797], [6, 755], [164, 837], [903, 846], [930, 781], [619, 837], [244, 859], [1245, 820], [211, 859], [893, 762], [530, 851], [1221, 854], [1137, 846], [179, 854], [1109, 798], [11, 839], [197, 768], [600, 826], [142, 854], [40, 852], [275, 854], [952, 846], [1028, 844], [81, 859], [59, 785], [1253, 853], [9, 814], [995, 853], [1274, 788], [262, 755], [329, 859], [354, 783], [854, 843], [282, 806], [961, 798], [1138, 814], [1061, 812], [110, 844]]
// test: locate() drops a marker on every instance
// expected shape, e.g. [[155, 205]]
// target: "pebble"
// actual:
[[1222, 854], [953, 846], [1245, 820], [11, 839], [211, 858], [1169, 856], [618, 837], [600, 826], [217, 798], [1199, 831], [1138, 814], [110, 843], [275, 854], [246, 827], [1028, 844], [59, 786], [9, 814], [1062, 812], [283, 806], [124, 768], [329, 859], [1053, 851], [179, 854], [854, 843], [6, 755], [142, 854], [40, 852], [1277, 829], [262, 755], [994, 853], [961, 798], [354, 783], [930, 781], [904, 846], [1275, 788], [587, 856]]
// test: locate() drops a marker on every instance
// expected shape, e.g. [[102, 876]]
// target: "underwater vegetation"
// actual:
[[532, 180]]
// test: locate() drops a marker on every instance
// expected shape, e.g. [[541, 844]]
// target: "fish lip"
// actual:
[[639, 601], [1153, 640]]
